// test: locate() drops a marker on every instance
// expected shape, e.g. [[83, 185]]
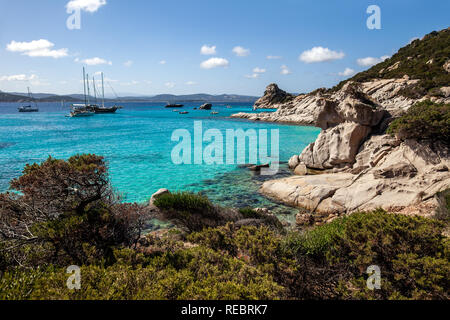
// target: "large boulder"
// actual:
[[335, 147], [273, 96], [405, 177]]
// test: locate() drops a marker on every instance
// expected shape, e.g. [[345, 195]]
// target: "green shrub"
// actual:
[[189, 211], [249, 213], [424, 120], [185, 202]]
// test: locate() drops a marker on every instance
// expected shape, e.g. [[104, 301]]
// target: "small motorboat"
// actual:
[[174, 105], [184, 112], [78, 113], [214, 112]]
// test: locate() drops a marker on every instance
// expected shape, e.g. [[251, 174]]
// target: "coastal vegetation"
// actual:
[[66, 212], [426, 60], [424, 121]]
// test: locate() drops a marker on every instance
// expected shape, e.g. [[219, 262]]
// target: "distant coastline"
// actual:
[[165, 98]]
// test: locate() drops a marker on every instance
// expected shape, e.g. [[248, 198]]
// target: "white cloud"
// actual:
[[208, 50], [214, 63], [37, 48], [320, 54], [18, 77], [259, 70], [191, 83], [163, 62], [95, 61], [128, 63], [252, 76], [241, 52], [347, 72], [370, 61], [131, 83], [170, 85], [285, 70], [85, 5], [273, 57]]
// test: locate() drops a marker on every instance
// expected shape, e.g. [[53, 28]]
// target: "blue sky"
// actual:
[[151, 47]]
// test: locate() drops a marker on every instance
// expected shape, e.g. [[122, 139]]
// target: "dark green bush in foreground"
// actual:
[[255, 263], [77, 220], [424, 121]]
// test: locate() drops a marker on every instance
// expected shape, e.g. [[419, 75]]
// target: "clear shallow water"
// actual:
[[136, 142]]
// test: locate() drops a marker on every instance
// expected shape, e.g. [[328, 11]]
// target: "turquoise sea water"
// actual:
[[136, 142]]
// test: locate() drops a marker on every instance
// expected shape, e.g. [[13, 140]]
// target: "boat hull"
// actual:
[[100, 110]]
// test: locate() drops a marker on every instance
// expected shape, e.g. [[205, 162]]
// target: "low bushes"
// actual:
[[424, 121]]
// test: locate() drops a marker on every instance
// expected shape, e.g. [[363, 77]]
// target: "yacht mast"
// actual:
[[103, 92], [84, 87], [31, 97], [95, 90], [88, 89]]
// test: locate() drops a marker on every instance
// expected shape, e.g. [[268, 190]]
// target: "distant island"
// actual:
[[165, 98]]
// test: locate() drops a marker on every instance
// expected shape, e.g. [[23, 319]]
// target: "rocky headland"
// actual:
[[358, 166]]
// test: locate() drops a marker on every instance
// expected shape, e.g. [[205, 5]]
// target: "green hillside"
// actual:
[[421, 59]]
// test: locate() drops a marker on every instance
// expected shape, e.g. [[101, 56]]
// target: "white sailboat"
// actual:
[[81, 110]]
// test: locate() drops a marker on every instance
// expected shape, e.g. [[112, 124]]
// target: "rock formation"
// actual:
[[206, 106], [273, 96], [360, 167], [406, 177]]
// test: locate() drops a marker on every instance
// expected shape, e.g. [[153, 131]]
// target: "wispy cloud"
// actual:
[[191, 83], [259, 70], [170, 85], [370, 61], [163, 62], [208, 50], [85, 5], [273, 57], [320, 54], [285, 70], [128, 63], [347, 72], [95, 61], [130, 83], [241, 52], [252, 76], [37, 48], [18, 77], [214, 63]]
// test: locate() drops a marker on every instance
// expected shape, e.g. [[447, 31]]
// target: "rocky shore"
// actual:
[[357, 166]]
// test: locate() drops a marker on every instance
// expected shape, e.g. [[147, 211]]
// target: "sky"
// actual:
[[148, 47]]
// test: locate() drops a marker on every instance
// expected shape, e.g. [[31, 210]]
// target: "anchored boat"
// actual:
[[174, 105], [29, 108]]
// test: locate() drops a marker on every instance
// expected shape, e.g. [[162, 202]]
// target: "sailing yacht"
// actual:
[[29, 108], [102, 108], [81, 110]]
